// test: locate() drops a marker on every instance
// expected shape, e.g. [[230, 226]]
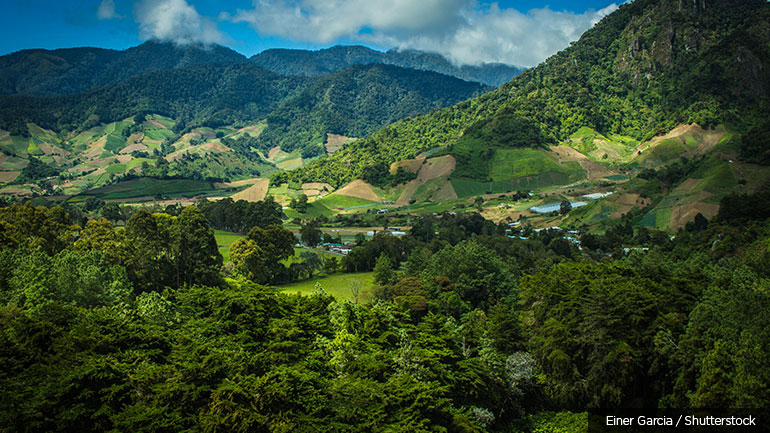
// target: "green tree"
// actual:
[[195, 250], [477, 274], [312, 262], [112, 212], [259, 255], [383, 270], [150, 257], [310, 235]]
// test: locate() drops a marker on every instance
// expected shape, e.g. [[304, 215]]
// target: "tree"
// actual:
[[259, 255], [355, 288], [250, 260], [331, 264], [311, 261], [112, 212], [195, 250], [150, 257], [93, 203], [565, 207], [25, 225], [310, 235], [383, 270], [300, 203], [478, 276]]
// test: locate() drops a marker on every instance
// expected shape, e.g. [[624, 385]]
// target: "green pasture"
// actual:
[[224, 241], [337, 201], [337, 285]]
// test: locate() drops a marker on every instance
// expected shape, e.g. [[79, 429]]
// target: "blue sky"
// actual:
[[466, 31]]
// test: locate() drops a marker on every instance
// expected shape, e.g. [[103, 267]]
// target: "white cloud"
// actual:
[[458, 29], [106, 10], [175, 21], [325, 21]]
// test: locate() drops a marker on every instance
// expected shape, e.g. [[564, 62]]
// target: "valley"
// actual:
[[352, 240], [148, 163]]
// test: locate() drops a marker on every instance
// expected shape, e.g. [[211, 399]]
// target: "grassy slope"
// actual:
[[337, 285]]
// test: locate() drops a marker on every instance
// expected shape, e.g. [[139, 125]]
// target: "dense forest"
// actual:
[[359, 100], [469, 328], [640, 71]]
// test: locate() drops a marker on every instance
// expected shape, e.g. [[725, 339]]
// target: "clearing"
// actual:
[[337, 285], [335, 142], [437, 167], [359, 188], [256, 192]]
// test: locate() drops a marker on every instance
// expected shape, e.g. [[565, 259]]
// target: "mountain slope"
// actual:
[[354, 101], [358, 100], [313, 63], [76, 70], [204, 94], [642, 70]]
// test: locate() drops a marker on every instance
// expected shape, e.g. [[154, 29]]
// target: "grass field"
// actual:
[[224, 240], [33, 148], [337, 285], [336, 201], [115, 168], [114, 143], [513, 163], [158, 134], [470, 188]]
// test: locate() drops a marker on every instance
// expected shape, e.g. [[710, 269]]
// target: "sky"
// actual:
[[522, 33]]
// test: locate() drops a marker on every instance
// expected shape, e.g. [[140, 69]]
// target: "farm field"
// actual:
[[337, 285], [148, 187]]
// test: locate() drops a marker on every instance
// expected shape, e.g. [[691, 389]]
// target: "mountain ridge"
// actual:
[[46, 73], [39, 72], [327, 60]]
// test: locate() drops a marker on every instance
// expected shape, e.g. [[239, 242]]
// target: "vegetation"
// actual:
[[481, 332], [363, 100], [241, 216], [599, 82], [460, 325]]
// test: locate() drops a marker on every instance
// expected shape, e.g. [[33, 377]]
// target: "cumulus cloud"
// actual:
[[458, 29], [106, 10], [175, 21]]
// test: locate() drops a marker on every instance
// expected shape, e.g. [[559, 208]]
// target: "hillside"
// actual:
[[204, 94], [358, 100], [313, 63], [641, 71], [40, 72], [207, 122]]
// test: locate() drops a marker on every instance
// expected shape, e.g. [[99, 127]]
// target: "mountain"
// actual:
[[75, 70], [313, 63], [354, 101], [198, 95], [358, 100], [208, 122], [644, 69]]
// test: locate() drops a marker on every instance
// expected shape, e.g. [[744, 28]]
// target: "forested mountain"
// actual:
[[358, 100], [353, 101], [204, 94], [649, 66], [313, 63], [39, 72]]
